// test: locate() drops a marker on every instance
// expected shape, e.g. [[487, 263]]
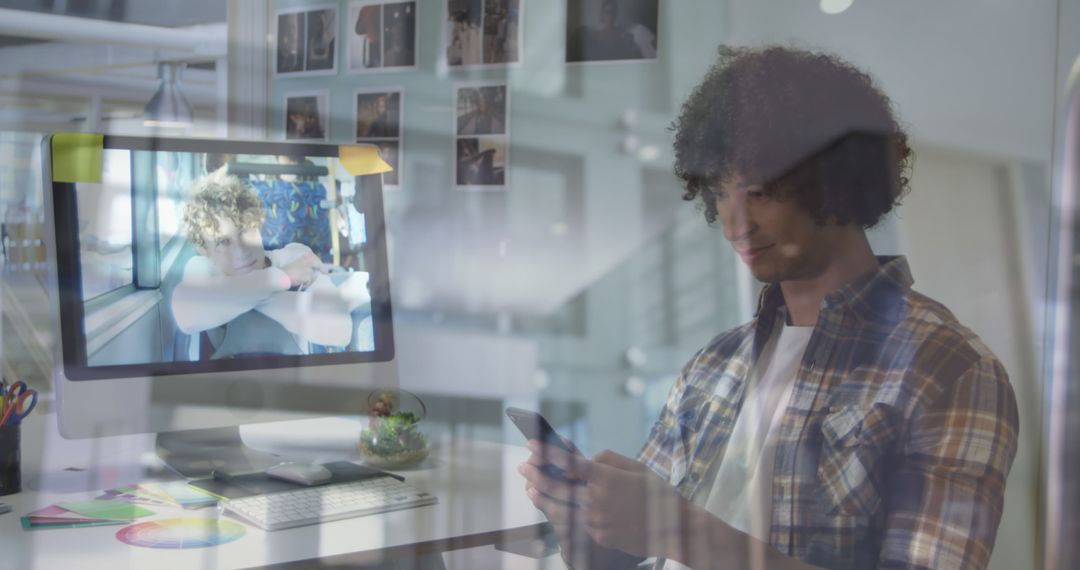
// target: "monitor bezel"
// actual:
[[69, 277]]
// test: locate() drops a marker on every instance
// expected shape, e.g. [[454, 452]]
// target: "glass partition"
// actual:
[[542, 253]]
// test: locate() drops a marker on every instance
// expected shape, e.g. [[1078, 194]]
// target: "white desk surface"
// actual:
[[480, 494]]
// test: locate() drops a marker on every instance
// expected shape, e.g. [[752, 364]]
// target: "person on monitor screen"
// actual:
[[254, 300], [853, 423]]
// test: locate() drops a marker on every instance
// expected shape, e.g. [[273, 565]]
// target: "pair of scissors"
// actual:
[[15, 406]]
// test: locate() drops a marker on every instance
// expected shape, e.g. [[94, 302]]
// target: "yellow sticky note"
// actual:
[[76, 157], [361, 160]]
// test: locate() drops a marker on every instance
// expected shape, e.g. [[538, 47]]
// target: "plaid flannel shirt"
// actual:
[[894, 449]]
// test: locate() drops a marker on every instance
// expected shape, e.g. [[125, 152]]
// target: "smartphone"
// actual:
[[534, 426]]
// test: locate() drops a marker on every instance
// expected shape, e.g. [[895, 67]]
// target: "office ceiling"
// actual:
[[168, 13], [41, 77]]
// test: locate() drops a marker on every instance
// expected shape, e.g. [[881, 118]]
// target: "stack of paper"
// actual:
[[118, 506], [171, 494], [137, 494], [84, 513]]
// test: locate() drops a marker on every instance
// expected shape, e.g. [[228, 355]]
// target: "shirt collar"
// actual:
[[876, 296]]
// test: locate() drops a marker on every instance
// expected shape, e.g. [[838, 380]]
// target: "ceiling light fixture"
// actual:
[[168, 107], [833, 7]]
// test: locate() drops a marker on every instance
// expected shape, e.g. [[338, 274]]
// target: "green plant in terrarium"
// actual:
[[397, 433], [393, 438]]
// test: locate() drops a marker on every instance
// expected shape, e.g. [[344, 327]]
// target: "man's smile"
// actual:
[[749, 254]]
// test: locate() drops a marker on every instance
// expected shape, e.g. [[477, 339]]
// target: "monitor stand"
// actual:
[[200, 452]]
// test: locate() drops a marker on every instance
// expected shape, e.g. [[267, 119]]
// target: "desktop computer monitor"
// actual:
[[245, 279]]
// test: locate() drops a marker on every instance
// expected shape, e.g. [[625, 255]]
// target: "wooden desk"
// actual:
[[481, 502]]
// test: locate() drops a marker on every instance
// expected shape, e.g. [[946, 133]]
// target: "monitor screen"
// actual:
[[194, 256]]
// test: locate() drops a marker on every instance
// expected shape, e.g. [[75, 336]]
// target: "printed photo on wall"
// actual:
[[611, 30], [378, 120], [482, 129], [382, 35], [305, 41], [378, 114], [502, 24], [481, 110], [307, 116], [481, 162], [290, 42], [482, 32]]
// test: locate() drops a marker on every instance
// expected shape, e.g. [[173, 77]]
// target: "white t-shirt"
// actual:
[[741, 490]]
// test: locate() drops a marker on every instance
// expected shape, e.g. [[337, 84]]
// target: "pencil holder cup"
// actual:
[[10, 464]]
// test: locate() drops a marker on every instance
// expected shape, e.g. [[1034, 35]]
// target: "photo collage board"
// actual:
[[382, 36], [482, 133]]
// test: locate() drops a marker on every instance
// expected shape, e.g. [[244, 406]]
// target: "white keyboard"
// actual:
[[314, 505]]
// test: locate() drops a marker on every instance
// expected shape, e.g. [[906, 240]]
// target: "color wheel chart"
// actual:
[[181, 533]]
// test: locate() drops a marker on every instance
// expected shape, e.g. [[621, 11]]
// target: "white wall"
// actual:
[[961, 234], [977, 76]]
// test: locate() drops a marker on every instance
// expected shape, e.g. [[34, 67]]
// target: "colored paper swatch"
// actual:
[[38, 523], [155, 492], [114, 510], [186, 495], [134, 498], [55, 512], [152, 492], [169, 494], [181, 533], [361, 160], [53, 516], [76, 157]]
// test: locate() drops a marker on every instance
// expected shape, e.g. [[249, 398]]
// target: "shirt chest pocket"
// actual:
[[689, 417], [857, 455], [695, 412]]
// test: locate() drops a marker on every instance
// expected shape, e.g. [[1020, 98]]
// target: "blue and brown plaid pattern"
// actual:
[[894, 449]]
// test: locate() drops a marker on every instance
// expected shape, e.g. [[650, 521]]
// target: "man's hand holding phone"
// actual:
[[559, 482], [607, 511], [561, 462], [555, 485], [536, 428]]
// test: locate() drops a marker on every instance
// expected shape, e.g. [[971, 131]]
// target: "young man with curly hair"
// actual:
[[853, 423], [255, 301]]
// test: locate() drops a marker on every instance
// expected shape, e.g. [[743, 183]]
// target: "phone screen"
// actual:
[[534, 426]]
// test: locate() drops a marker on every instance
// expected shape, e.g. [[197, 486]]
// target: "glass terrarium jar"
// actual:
[[393, 438]]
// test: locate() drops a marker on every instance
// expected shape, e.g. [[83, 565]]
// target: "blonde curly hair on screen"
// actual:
[[221, 196]]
